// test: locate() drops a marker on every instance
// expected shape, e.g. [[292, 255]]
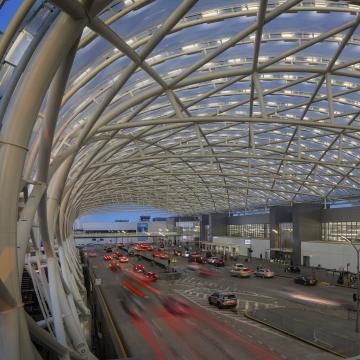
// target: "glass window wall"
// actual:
[[335, 231], [256, 231]]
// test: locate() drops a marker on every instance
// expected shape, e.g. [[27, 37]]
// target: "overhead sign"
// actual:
[[247, 242]]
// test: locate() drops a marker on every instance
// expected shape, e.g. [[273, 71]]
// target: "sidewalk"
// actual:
[[322, 275], [324, 331]]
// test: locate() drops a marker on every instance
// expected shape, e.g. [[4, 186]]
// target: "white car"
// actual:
[[264, 273], [211, 260], [186, 254], [238, 266]]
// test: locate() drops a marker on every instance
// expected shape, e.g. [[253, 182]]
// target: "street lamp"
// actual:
[[357, 249]]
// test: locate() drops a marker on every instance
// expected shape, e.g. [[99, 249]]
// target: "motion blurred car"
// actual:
[[207, 272], [108, 250], [242, 272], [123, 259], [120, 246], [139, 268], [112, 266], [219, 262], [264, 273], [91, 254], [305, 280], [186, 254], [194, 267], [133, 306], [164, 256], [177, 252], [174, 306], [223, 300], [107, 257]]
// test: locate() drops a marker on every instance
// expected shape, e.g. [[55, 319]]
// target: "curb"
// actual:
[[293, 335]]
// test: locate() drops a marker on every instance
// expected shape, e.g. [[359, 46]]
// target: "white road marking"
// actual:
[[232, 316]]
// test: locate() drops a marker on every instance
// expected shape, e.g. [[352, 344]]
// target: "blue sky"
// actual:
[[7, 11], [131, 212]]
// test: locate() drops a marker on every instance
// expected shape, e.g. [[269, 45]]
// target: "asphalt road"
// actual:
[[207, 332]]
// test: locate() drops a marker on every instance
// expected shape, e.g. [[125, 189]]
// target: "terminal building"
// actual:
[[239, 118]]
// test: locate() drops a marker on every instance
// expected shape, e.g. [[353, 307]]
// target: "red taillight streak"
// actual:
[[247, 344], [149, 338], [180, 329], [133, 289]]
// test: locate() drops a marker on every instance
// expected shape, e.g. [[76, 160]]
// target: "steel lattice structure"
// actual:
[[192, 106]]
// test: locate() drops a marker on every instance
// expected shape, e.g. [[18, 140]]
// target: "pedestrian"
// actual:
[[260, 256]]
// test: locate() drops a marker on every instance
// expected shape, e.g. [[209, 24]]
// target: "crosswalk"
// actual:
[[200, 296], [219, 286]]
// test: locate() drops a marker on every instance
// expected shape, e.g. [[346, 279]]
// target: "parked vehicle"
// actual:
[[211, 259], [177, 252], [293, 269], [305, 280], [123, 259], [139, 268], [219, 262], [150, 276], [264, 273], [164, 256], [197, 258], [238, 266], [223, 300]]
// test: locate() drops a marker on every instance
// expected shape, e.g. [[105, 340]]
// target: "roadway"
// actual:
[[207, 332]]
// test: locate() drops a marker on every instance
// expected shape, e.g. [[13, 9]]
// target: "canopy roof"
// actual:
[[209, 105]]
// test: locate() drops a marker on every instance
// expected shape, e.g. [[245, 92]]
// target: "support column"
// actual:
[[18, 123]]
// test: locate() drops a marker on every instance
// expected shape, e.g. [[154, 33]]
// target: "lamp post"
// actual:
[[357, 249]]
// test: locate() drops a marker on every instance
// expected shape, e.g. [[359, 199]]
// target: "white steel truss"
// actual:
[[199, 106]]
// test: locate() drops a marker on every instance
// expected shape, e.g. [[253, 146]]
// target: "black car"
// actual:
[[305, 280], [223, 300], [293, 269], [218, 262]]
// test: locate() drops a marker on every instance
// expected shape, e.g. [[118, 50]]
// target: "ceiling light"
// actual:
[[190, 47], [209, 13], [287, 35]]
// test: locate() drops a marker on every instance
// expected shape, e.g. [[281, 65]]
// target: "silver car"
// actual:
[[211, 260], [264, 273]]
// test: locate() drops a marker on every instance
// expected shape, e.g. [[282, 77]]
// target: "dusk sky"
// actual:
[[7, 11]]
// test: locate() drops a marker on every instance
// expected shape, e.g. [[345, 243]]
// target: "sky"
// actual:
[[131, 212], [7, 11]]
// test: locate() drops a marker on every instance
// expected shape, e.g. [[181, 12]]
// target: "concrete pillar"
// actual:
[[306, 227], [217, 225], [278, 214]]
